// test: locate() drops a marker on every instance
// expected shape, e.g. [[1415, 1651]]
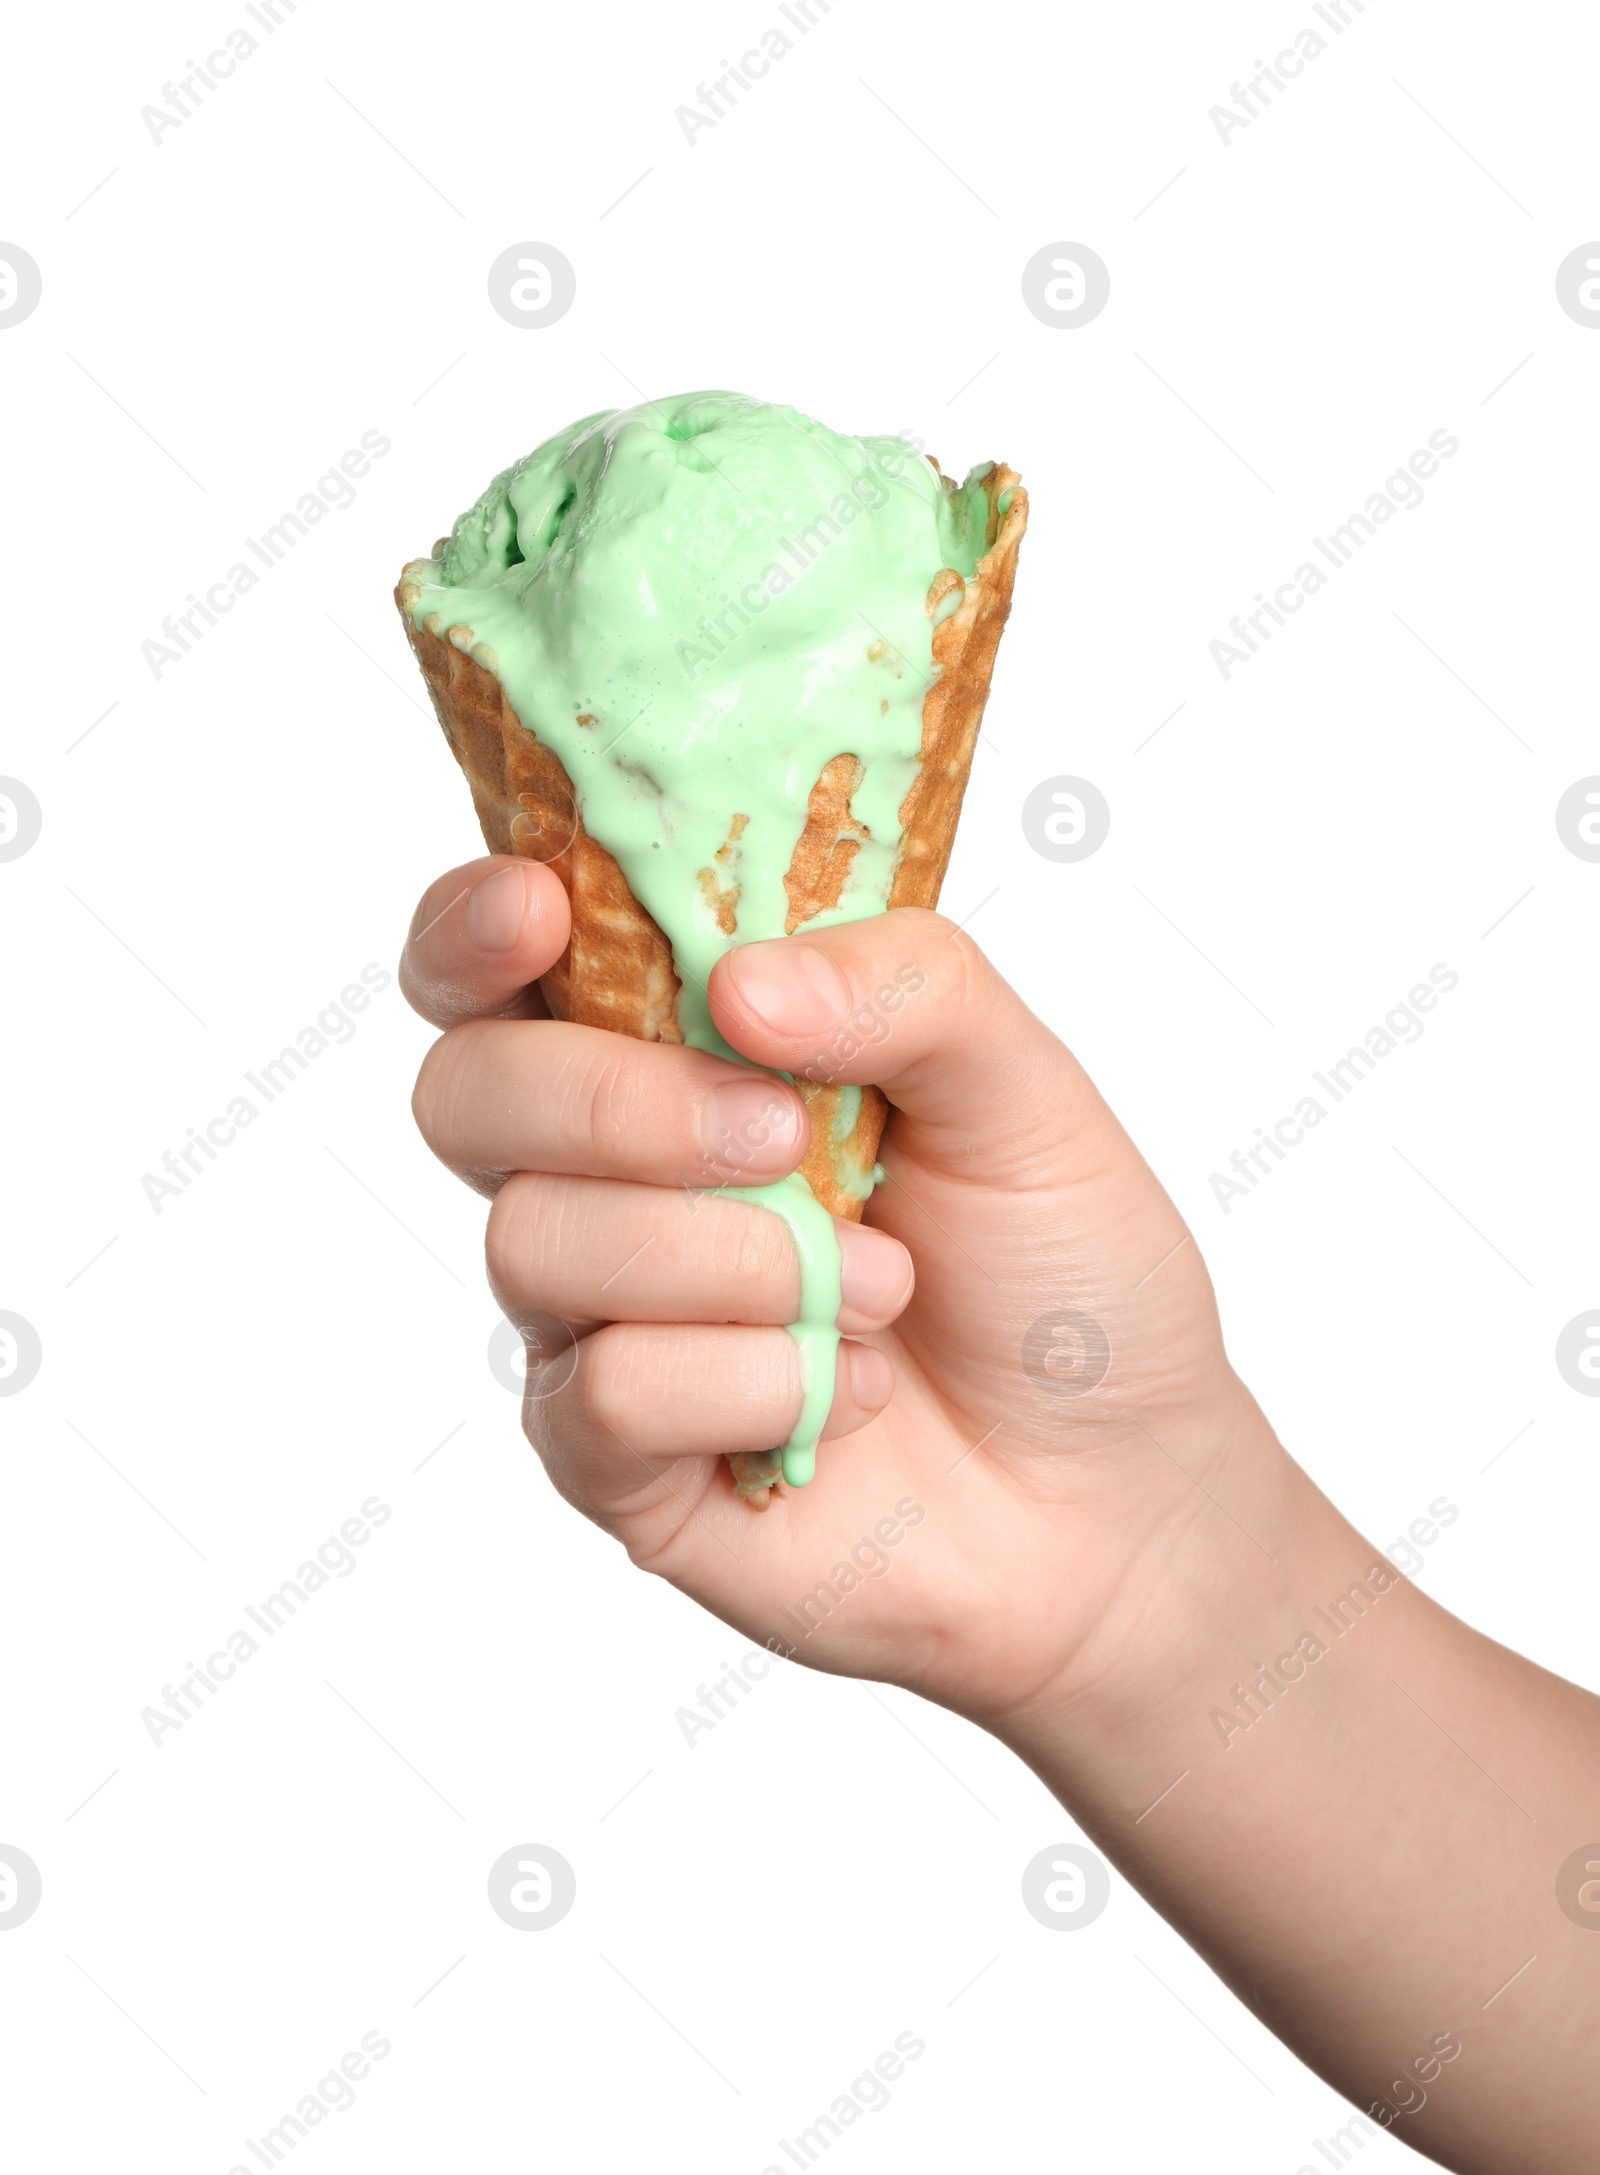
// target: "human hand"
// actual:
[[1025, 1474], [1077, 1556]]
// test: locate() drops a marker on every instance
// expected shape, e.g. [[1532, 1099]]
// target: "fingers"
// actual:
[[592, 1250], [642, 1393], [909, 1003], [480, 939], [495, 1096]]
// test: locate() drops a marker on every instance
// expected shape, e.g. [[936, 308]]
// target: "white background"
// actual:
[[227, 845]]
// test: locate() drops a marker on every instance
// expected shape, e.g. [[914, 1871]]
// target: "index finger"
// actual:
[[480, 939]]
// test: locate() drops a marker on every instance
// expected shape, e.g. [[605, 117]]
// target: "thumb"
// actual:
[[909, 1004]]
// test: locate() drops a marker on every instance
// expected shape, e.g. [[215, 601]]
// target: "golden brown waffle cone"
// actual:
[[618, 970]]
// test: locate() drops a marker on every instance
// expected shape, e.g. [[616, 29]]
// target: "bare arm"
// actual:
[[1374, 1823]]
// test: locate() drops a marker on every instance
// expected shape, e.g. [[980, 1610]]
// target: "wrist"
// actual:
[[1213, 1589]]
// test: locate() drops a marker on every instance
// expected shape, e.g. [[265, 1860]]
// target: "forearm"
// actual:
[[1356, 1808]]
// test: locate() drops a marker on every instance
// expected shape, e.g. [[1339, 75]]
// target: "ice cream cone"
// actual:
[[618, 971]]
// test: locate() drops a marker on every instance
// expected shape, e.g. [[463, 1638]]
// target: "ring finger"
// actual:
[[642, 1393], [597, 1249]]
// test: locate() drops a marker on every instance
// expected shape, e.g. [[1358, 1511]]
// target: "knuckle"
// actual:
[[752, 1258], [964, 971], [429, 1094], [609, 1112], [947, 964], [443, 1083], [606, 1379], [607, 1105], [510, 1237], [546, 1423], [413, 987]]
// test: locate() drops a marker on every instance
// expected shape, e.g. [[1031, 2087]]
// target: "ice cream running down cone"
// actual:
[[510, 721]]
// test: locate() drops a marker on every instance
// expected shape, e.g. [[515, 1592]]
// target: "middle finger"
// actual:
[[592, 1250]]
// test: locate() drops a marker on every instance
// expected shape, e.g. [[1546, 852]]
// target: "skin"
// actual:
[[1375, 1856]]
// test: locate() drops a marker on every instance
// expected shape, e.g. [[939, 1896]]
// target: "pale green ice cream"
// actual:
[[697, 603]]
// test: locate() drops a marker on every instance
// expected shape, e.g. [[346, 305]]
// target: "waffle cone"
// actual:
[[618, 970]]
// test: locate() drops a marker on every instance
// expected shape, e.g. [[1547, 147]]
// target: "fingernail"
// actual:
[[497, 909], [752, 1129], [871, 1376], [792, 988], [875, 1277]]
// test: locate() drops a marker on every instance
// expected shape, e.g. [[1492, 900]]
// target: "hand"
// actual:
[[1088, 1543], [1042, 1411]]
